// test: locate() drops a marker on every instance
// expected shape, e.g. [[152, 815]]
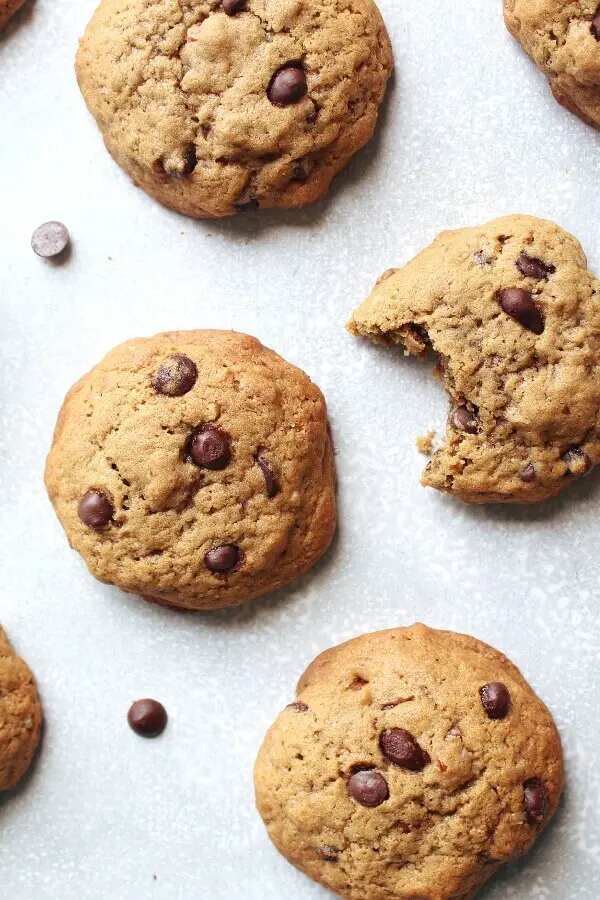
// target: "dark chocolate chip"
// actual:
[[300, 173], [368, 787], [246, 205], [271, 480], [288, 85], [495, 699], [578, 462], [175, 377], [534, 268], [50, 239], [465, 420], [223, 558], [298, 705], [595, 26], [535, 800], [147, 717], [401, 748], [329, 853], [519, 305], [231, 7], [95, 509], [527, 473], [209, 448]]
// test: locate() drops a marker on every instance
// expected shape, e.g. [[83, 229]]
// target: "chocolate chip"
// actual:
[[223, 558], [271, 480], [536, 801], [578, 462], [50, 239], [495, 699], [231, 7], [595, 26], [246, 205], [519, 305], [288, 85], [465, 420], [534, 268], [175, 377], [95, 509], [209, 448], [368, 787], [329, 853], [181, 162], [401, 748], [300, 173], [298, 705], [527, 473], [147, 717]]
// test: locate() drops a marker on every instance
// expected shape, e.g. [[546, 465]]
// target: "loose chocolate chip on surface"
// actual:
[[578, 462], [271, 480], [148, 718], [95, 509], [209, 448], [175, 377], [495, 699], [288, 85], [527, 473], [535, 800], [519, 305], [223, 558], [401, 748], [298, 705], [368, 787], [50, 239], [534, 268], [595, 26], [231, 7], [465, 420]]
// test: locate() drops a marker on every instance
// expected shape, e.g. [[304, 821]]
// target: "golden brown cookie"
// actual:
[[7, 9], [563, 39], [222, 105], [20, 716], [411, 765], [194, 468], [513, 316]]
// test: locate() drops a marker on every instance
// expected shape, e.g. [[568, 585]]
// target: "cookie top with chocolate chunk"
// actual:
[[563, 39], [413, 763], [223, 105], [194, 468], [513, 315], [20, 716]]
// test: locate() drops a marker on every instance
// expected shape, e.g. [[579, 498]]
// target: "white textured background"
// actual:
[[469, 132]]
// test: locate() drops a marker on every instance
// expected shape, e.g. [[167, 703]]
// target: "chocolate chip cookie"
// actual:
[[219, 106], [563, 39], [7, 9], [413, 763], [513, 316], [194, 468], [20, 716]]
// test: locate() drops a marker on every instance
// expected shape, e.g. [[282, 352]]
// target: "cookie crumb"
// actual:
[[425, 443]]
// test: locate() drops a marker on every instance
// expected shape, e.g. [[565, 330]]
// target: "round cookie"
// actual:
[[7, 10], [412, 764], [194, 468], [563, 39], [513, 315], [20, 716], [216, 106]]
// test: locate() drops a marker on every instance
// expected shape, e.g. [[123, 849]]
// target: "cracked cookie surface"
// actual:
[[20, 716], [413, 763], [563, 39], [213, 107], [194, 468], [513, 314]]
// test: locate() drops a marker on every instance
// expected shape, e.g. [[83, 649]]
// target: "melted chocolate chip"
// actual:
[[95, 509], [519, 305], [578, 462], [298, 705], [536, 801], [231, 7], [495, 699], [50, 239], [402, 749], [175, 377], [465, 420], [223, 559], [209, 448], [595, 26], [534, 268], [527, 473], [368, 787], [148, 718], [272, 484], [288, 85]]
